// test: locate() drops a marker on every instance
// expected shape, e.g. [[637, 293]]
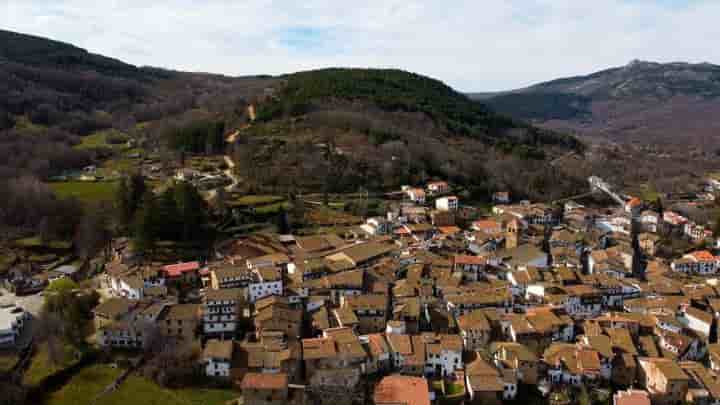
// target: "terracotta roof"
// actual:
[[218, 349], [475, 320], [702, 256], [176, 270], [631, 397], [397, 389], [471, 260], [260, 381]]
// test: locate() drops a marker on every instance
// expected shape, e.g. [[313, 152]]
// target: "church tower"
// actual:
[[512, 234]]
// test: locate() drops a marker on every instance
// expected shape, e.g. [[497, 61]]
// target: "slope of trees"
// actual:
[[395, 90], [178, 214]]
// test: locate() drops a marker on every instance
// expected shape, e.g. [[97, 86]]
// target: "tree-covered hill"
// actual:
[[400, 91]]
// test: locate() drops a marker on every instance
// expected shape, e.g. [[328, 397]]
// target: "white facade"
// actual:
[[447, 361], [217, 368], [447, 204], [12, 323], [260, 289]]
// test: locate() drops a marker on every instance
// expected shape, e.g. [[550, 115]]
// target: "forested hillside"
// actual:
[[399, 91]]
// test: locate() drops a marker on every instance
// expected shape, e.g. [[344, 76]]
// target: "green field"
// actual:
[[91, 381], [100, 140], [255, 200], [36, 242], [85, 191], [41, 367]]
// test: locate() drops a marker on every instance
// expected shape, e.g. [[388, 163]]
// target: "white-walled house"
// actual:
[[266, 281], [12, 323], [450, 203], [217, 358]]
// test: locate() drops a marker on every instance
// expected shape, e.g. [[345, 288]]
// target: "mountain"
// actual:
[[62, 107], [392, 90], [647, 102]]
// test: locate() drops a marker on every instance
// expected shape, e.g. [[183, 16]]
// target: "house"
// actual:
[[488, 227], [700, 262], [444, 354], [450, 203], [571, 364], [265, 281], [696, 232], [265, 389], [407, 353], [129, 285], [650, 221], [269, 352], [402, 390], [377, 226], [12, 324], [363, 254], [275, 314], [182, 273], [416, 195], [484, 383], [697, 320], [516, 358], [229, 277], [631, 397], [181, 321], [112, 310], [633, 206], [370, 311], [335, 363], [704, 386], [437, 187], [379, 358], [471, 267], [648, 243], [222, 310], [664, 379], [475, 330], [501, 197], [217, 358]]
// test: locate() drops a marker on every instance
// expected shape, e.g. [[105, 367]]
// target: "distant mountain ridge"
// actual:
[[641, 101]]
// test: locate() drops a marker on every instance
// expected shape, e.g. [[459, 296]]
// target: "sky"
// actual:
[[475, 45]]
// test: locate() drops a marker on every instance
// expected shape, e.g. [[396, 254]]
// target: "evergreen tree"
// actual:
[[145, 227], [191, 211]]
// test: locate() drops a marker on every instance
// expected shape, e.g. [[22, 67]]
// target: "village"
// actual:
[[432, 302]]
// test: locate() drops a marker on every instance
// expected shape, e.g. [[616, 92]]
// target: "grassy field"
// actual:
[[100, 140], [41, 367], [36, 242], [255, 200], [85, 191], [91, 381]]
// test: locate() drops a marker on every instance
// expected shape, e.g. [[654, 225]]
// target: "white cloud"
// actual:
[[472, 45]]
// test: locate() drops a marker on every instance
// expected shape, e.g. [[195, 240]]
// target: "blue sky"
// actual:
[[473, 45]]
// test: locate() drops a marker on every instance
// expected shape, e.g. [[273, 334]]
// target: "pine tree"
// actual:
[[146, 226]]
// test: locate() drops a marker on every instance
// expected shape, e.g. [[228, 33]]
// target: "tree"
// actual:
[[144, 227], [93, 233], [191, 210], [129, 195], [72, 307]]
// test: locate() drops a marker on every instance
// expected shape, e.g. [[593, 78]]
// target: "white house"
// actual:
[[416, 195], [217, 358], [266, 281], [12, 322], [437, 187], [447, 203], [699, 262], [221, 311], [444, 355]]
